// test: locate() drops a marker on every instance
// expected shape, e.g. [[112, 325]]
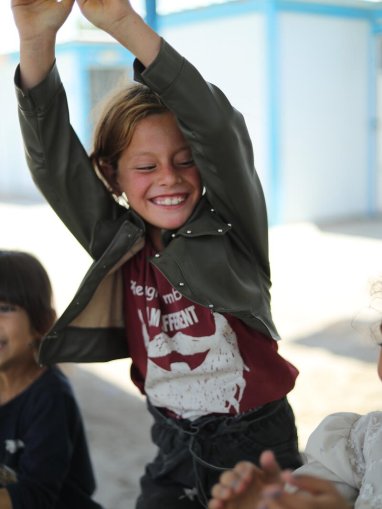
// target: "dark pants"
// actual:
[[192, 455]]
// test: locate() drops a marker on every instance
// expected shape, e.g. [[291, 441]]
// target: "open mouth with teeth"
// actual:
[[170, 200]]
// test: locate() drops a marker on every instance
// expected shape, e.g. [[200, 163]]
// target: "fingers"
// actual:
[[235, 481], [246, 473], [313, 485], [215, 503], [313, 493], [103, 14], [273, 497], [270, 466], [36, 16], [243, 478], [225, 489]]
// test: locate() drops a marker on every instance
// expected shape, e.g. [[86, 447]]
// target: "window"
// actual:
[[103, 81]]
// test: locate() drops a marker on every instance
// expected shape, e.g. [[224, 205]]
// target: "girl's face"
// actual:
[[16, 337], [159, 176]]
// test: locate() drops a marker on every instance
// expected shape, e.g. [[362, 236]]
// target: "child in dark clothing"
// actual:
[[180, 281], [44, 458]]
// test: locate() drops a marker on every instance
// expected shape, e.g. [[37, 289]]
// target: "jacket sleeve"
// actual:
[[58, 162], [220, 144]]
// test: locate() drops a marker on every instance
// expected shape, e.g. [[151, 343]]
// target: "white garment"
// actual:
[[346, 448]]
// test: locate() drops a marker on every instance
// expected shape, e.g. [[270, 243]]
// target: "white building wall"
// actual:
[[15, 180], [323, 116], [323, 103]]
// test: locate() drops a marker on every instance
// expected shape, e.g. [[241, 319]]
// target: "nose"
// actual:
[[169, 175]]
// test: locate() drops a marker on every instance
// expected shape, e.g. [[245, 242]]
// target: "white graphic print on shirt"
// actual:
[[190, 360], [193, 385]]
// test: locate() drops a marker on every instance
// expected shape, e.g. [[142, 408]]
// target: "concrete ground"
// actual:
[[322, 279]]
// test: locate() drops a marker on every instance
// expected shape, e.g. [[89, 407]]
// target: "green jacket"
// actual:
[[219, 259]]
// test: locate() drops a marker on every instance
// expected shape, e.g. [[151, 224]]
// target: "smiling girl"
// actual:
[[181, 280]]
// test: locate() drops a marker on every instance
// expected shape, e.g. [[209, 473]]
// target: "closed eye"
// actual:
[[146, 168], [7, 308], [186, 164]]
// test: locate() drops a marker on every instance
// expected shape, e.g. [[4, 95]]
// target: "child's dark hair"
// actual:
[[24, 282]]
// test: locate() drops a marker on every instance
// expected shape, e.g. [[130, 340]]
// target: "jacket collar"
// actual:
[[203, 221]]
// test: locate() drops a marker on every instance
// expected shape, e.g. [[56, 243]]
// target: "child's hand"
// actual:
[[241, 487], [36, 19], [106, 14], [313, 493], [38, 22], [118, 19]]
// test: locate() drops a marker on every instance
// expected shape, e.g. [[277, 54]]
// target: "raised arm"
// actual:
[[216, 132], [118, 18], [54, 154], [38, 22]]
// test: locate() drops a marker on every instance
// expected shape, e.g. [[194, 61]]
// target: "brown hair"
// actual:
[[24, 282], [116, 124]]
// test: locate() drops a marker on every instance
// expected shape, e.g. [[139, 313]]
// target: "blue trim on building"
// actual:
[[213, 12], [102, 54], [13, 57], [377, 22], [238, 8], [342, 11], [151, 14], [273, 184]]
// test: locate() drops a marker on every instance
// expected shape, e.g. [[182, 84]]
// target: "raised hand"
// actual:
[[106, 14], [37, 18], [118, 18], [38, 22]]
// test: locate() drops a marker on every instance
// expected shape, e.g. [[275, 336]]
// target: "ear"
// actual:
[[109, 176], [34, 345], [36, 348]]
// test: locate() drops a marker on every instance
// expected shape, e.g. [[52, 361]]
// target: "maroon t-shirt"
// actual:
[[193, 361]]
